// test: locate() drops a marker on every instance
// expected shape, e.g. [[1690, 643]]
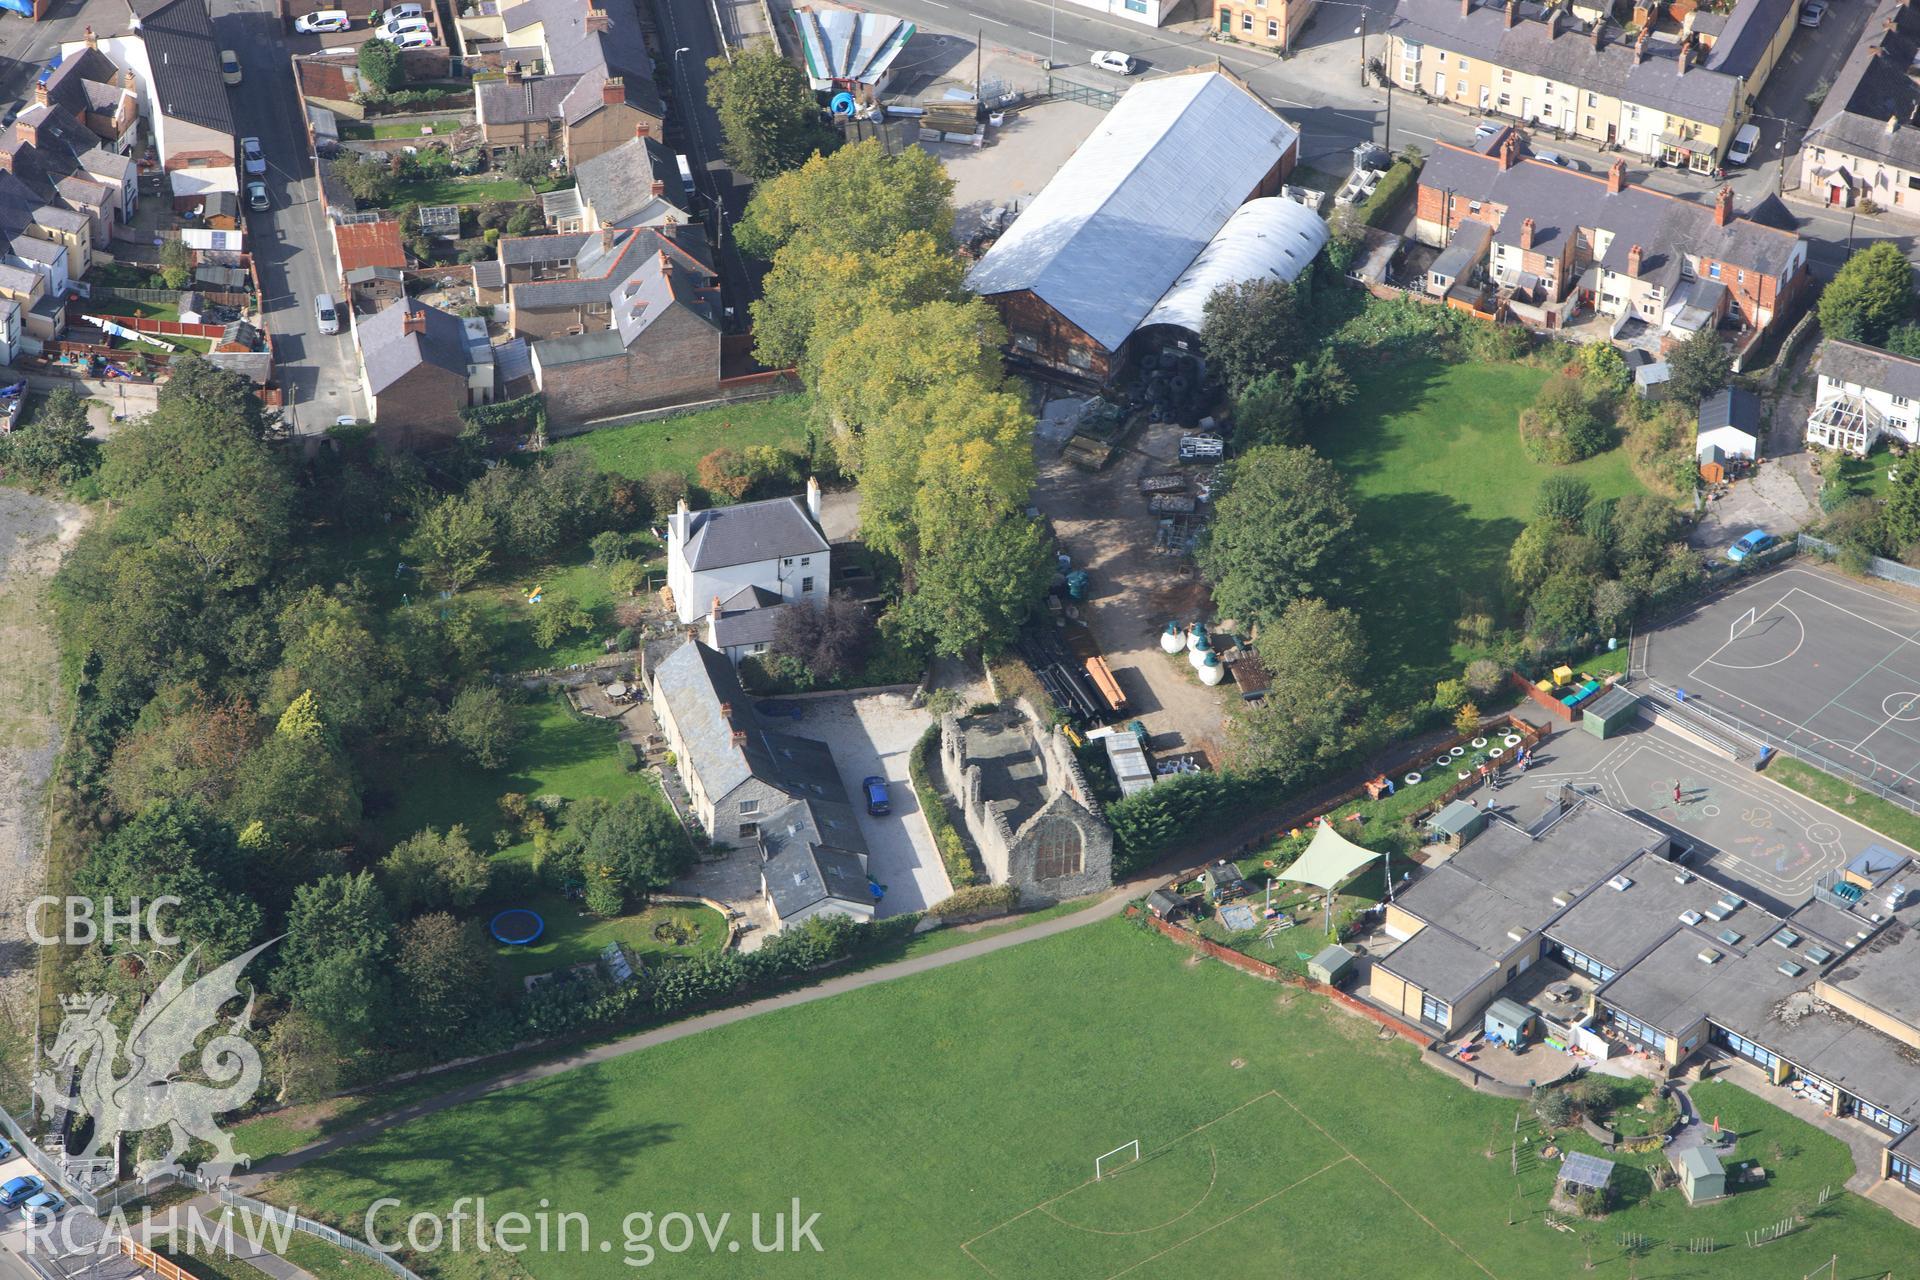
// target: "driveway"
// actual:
[[873, 733]]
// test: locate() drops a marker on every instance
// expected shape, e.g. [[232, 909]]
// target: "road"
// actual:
[[688, 37], [320, 373], [1320, 90]]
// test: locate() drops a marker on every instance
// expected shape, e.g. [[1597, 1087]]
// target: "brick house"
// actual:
[[636, 184], [1128, 214], [1565, 243], [596, 88], [371, 256], [1270, 24], [419, 367]]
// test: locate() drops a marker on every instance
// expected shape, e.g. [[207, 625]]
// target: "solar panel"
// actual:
[[1585, 1171]]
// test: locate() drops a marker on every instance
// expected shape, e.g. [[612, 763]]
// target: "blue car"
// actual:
[[6, 1149], [878, 803], [18, 1189], [1751, 544], [44, 1207]]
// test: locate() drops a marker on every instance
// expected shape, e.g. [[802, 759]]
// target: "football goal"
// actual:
[[1119, 1158]]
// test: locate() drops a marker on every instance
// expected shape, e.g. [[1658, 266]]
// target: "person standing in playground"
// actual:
[[1676, 793]]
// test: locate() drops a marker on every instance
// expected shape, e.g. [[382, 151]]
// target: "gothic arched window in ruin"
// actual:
[[1057, 848]]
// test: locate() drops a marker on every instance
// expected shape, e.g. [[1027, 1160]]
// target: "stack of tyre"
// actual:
[[1170, 385]]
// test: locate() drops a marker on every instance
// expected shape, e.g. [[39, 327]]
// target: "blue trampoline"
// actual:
[[517, 926]]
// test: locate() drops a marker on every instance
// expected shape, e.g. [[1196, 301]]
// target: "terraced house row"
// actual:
[[1675, 94]]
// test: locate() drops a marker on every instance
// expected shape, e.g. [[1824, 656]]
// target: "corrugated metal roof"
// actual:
[[1266, 239], [1135, 205]]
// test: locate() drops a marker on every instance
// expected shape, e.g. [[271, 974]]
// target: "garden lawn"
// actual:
[[678, 443], [572, 937], [563, 754], [1432, 451], [970, 1094], [458, 191], [1863, 477]]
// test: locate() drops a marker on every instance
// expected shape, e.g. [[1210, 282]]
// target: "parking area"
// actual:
[[873, 734], [1806, 656]]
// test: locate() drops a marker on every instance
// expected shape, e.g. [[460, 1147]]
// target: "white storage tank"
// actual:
[[1172, 640], [1211, 672]]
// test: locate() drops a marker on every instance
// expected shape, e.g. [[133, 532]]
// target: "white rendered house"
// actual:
[[777, 546], [1865, 393]]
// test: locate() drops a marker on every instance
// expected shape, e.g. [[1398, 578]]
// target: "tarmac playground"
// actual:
[[1804, 656]]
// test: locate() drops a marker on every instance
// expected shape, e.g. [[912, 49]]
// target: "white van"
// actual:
[[1743, 144], [686, 175], [324, 312]]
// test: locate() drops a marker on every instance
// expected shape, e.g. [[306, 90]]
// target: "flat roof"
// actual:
[[1884, 972], [1440, 964], [1618, 925]]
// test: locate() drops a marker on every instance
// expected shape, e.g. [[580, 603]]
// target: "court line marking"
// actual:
[[1814, 733], [1713, 659]]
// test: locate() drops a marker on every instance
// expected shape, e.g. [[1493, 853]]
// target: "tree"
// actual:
[[176, 263], [1641, 527], [1697, 368], [445, 969], [1561, 609], [177, 848], [1280, 532], [454, 541], [891, 360], [1901, 512], [859, 199], [723, 474], [635, 843], [328, 648], [1613, 604], [558, 616], [1251, 329], [380, 65], [1565, 423], [830, 642], [1904, 340], [182, 747], [1466, 718], [368, 179], [1869, 295], [483, 723], [974, 589], [304, 1058], [1321, 385], [1562, 498], [815, 292], [334, 960], [1306, 721], [1605, 368], [1267, 412], [433, 871], [52, 447], [1484, 675], [770, 121], [293, 797]]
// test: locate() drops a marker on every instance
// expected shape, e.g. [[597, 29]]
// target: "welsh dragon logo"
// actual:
[[150, 1093]]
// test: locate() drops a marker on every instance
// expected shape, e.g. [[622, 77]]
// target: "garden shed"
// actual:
[[1223, 880], [1330, 965], [1507, 1021], [1610, 713], [1457, 823], [1166, 905], [1701, 1176]]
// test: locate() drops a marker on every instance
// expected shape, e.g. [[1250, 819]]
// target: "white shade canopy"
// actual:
[[1328, 861]]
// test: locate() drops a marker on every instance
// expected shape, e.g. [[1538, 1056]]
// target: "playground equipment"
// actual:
[[517, 926], [534, 594]]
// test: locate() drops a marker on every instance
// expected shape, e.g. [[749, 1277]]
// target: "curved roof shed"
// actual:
[[1271, 238]]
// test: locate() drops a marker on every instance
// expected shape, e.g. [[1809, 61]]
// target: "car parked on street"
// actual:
[[879, 804], [422, 39], [1112, 60], [1751, 544], [229, 66], [1812, 12], [1564, 162], [257, 197], [323, 20], [256, 159], [18, 1189]]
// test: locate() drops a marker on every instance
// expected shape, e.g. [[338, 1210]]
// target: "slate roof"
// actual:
[[708, 705], [1859, 365], [749, 616], [389, 353], [520, 251], [590, 58], [1872, 88], [1561, 202], [747, 533], [803, 874], [1130, 210], [185, 62], [648, 272], [618, 183], [529, 100], [1704, 92], [1730, 407]]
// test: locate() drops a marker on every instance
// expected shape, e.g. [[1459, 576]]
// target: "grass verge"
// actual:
[[1865, 808]]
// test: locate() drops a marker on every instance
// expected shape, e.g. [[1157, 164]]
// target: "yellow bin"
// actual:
[[1562, 674]]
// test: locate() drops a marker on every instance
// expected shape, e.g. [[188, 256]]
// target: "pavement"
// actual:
[[291, 244]]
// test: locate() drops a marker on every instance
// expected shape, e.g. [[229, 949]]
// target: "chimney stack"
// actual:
[[813, 498], [414, 322], [1553, 22], [726, 711], [681, 511], [739, 737], [1616, 177], [1723, 207], [658, 188], [92, 42], [1526, 235], [42, 95], [643, 130], [1599, 30], [1685, 54], [1466, 7], [1893, 124], [28, 131], [613, 90], [1513, 13], [714, 613], [513, 72], [1509, 150], [598, 20], [1633, 262], [1640, 45], [609, 238]]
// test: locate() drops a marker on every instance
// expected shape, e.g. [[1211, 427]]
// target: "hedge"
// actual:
[[1393, 184], [961, 869], [978, 899], [528, 412], [1149, 823]]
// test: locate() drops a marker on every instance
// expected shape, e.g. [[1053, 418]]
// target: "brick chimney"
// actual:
[[613, 90], [658, 188], [1509, 150], [513, 72], [1640, 45], [609, 238], [714, 612], [42, 95], [1617, 177], [1723, 207], [1598, 33], [414, 322], [1685, 55], [598, 20], [1633, 262], [1553, 22], [726, 711], [1466, 7], [1513, 13], [739, 737], [92, 43], [6, 160], [127, 81], [643, 131], [28, 131], [1526, 235]]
